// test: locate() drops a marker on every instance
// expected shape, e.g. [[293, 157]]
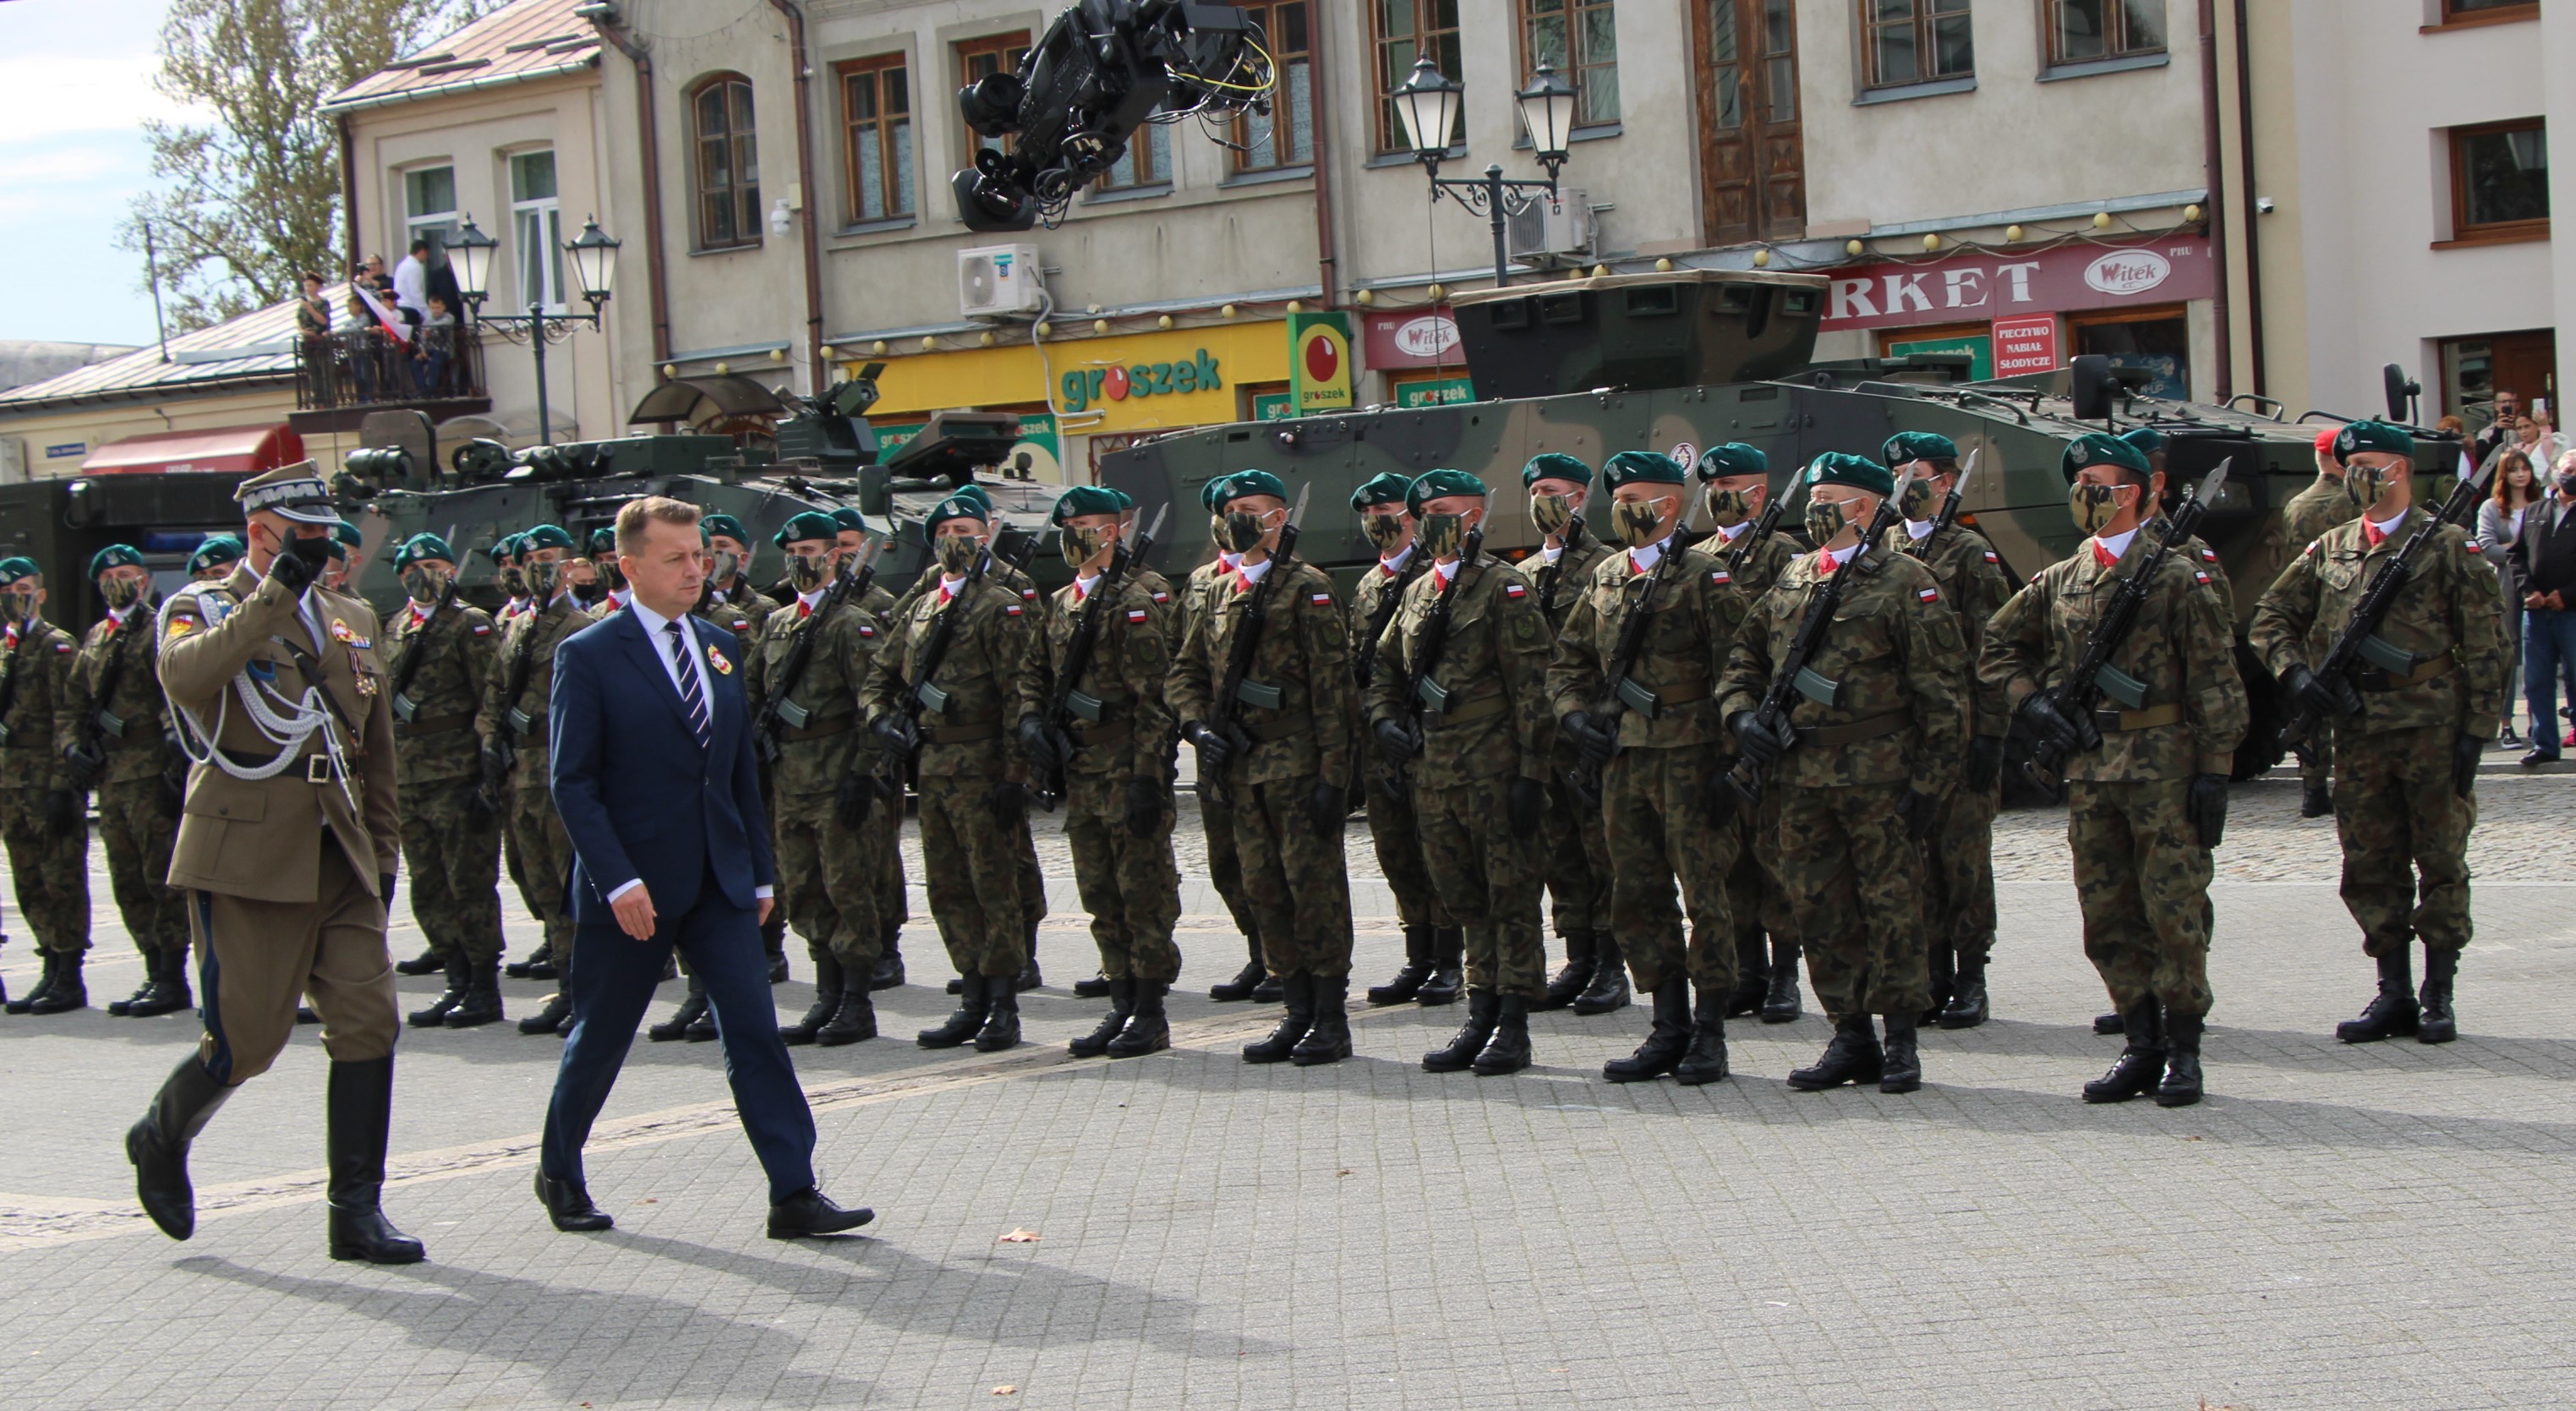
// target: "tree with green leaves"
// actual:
[[250, 198]]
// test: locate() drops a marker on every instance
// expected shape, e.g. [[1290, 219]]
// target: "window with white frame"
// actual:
[[536, 226], [429, 206]]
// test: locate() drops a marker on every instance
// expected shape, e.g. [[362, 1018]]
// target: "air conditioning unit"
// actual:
[[1546, 235], [999, 281]]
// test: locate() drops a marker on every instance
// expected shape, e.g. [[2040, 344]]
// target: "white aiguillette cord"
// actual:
[[284, 723]]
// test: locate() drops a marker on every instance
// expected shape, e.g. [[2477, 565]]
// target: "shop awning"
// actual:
[[244, 449]]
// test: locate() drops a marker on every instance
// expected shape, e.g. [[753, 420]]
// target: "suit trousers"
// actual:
[[614, 981], [254, 958]]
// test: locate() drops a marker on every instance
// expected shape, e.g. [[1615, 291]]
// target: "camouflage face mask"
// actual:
[[423, 583], [1825, 519], [955, 553], [1442, 535], [1384, 531], [1728, 508], [2365, 483], [1081, 544], [18, 608], [514, 580], [1917, 501], [1241, 531], [609, 572], [121, 592], [805, 572], [727, 565], [2092, 506], [1639, 522], [541, 579], [1553, 514]]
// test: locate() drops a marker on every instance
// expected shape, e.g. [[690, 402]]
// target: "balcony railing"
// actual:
[[362, 367]]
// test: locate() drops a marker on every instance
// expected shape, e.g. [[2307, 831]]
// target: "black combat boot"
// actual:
[[973, 999], [1608, 991], [1001, 1018], [693, 1007], [151, 978], [1297, 991], [2181, 1086], [1448, 980], [1573, 977], [1508, 1051], [1666, 1041], [1853, 1057], [44, 982], [1752, 974], [1967, 1006], [482, 1003], [956, 984], [889, 967], [1900, 1064], [2141, 1062], [2393, 1010], [2112, 1023], [1147, 1031], [1329, 1041], [1409, 980], [2438, 1025], [1122, 1003], [168, 991], [1030, 978], [1096, 987], [1245, 981], [558, 1012], [428, 962], [1484, 1010], [1269, 990], [774, 938], [1704, 1061], [158, 1145], [540, 965], [448, 999], [1945, 978], [68, 992], [360, 1107], [1780, 1005], [827, 1002], [2316, 801], [307, 1014], [854, 1021]]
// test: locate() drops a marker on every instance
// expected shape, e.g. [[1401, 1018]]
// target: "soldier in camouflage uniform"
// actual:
[[1281, 764], [2146, 787], [1575, 853], [1459, 699], [514, 712], [2406, 741], [214, 559], [40, 817], [885, 872], [441, 652], [1860, 766], [121, 745], [2305, 519], [1661, 763], [1114, 755], [1216, 815], [973, 787], [1737, 478], [1959, 857]]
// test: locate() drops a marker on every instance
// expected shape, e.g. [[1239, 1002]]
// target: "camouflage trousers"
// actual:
[[1755, 899], [1576, 857], [973, 876], [545, 857], [1488, 880], [455, 864], [52, 873], [1397, 835], [1225, 867], [1031, 881], [831, 877], [1959, 873], [2316, 766], [2405, 839], [2142, 878], [1295, 878], [1130, 885], [138, 824], [1855, 881], [1655, 813]]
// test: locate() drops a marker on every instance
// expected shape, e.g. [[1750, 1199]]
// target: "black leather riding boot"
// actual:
[[158, 1145], [361, 1113]]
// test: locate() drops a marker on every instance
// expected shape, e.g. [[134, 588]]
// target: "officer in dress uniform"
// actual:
[[120, 746]]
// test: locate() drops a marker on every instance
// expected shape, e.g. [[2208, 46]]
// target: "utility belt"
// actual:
[[2380, 679], [318, 768], [1866, 728], [1650, 703], [965, 732], [420, 727], [816, 729], [1443, 708], [112, 727], [2113, 721]]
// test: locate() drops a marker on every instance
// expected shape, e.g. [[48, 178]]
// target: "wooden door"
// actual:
[[1752, 160]]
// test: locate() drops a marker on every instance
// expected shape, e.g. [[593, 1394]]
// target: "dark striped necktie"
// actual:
[[691, 695]]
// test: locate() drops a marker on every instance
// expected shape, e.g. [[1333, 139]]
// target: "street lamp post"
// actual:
[[1427, 103], [594, 263]]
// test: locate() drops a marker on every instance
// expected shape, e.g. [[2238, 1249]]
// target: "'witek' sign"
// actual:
[[1977, 288]]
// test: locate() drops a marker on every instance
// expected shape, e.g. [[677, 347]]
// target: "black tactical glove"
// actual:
[[81, 768], [1328, 806], [1215, 751], [1038, 743], [293, 571], [1756, 741], [2466, 751], [385, 891], [479, 809], [1009, 802], [1394, 742], [1920, 812], [62, 812], [1145, 799], [1985, 762], [1525, 807], [2207, 804], [1591, 741], [2326, 697], [855, 799], [897, 733], [2049, 723], [1721, 800]]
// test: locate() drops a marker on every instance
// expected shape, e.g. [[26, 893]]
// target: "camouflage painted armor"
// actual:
[[138, 812], [1959, 857], [830, 876], [1394, 830], [452, 845], [1575, 852], [52, 872]]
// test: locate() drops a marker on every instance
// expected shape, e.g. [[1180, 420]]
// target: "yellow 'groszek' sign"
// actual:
[[1134, 382]]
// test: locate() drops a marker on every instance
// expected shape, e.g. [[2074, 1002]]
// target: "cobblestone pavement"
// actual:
[[2336, 1227]]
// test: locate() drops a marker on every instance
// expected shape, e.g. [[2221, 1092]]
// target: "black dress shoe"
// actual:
[[809, 1213], [568, 1204]]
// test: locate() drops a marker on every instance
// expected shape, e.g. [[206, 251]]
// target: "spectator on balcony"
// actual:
[[313, 312], [434, 348], [364, 344], [411, 284]]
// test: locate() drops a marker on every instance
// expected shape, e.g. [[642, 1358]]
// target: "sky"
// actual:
[[75, 88]]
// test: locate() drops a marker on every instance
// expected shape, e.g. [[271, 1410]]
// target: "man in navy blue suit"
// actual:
[[653, 775]]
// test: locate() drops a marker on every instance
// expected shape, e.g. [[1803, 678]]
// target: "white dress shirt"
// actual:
[[657, 631], [411, 285]]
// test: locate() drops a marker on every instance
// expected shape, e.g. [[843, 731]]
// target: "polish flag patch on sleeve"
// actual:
[[1321, 599], [1136, 615], [2203, 577], [1991, 557], [867, 629], [1011, 610], [62, 648], [2208, 555], [1162, 597], [482, 629], [1515, 590], [1028, 595], [1720, 576], [1929, 595]]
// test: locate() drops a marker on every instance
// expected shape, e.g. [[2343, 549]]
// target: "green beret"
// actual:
[[1250, 482], [725, 524], [2102, 448], [545, 536], [1639, 467], [338, 550], [1432, 484], [422, 546], [1858, 472], [16, 567], [954, 507], [348, 534], [603, 540], [1086, 499], [1918, 446], [848, 518], [972, 491], [1384, 488], [218, 548], [1733, 458], [2145, 438], [812, 524], [1554, 465], [114, 556], [2372, 436], [1209, 491]]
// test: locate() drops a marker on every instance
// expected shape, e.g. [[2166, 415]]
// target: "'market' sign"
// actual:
[[1980, 287]]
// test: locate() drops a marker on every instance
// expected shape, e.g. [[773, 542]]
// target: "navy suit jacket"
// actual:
[[637, 795]]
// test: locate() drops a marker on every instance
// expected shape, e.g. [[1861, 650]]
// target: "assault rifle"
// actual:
[[1950, 502], [1065, 704], [2093, 676], [1620, 692], [779, 712], [86, 758], [404, 707], [1364, 650], [2359, 645], [1234, 691], [1422, 694], [1794, 674], [1552, 575], [921, 693]]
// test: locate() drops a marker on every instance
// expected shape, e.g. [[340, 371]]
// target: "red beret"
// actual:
[[2326, 440]]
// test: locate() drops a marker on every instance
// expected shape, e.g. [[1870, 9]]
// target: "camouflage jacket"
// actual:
[[1895, 655], [1374, 601], [42, 659], [993, 648], [1000, 575], [1762, 565], [1167, 604], [2313, 511], [1304, 656], [527, 660], [814, 756], [1131, 662], [442, 739], [1497, 720], [1560, 583], [2206, 560], [2449, 617], [139, 752], [1971, 575], [2183, 649], [1697, 614]]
